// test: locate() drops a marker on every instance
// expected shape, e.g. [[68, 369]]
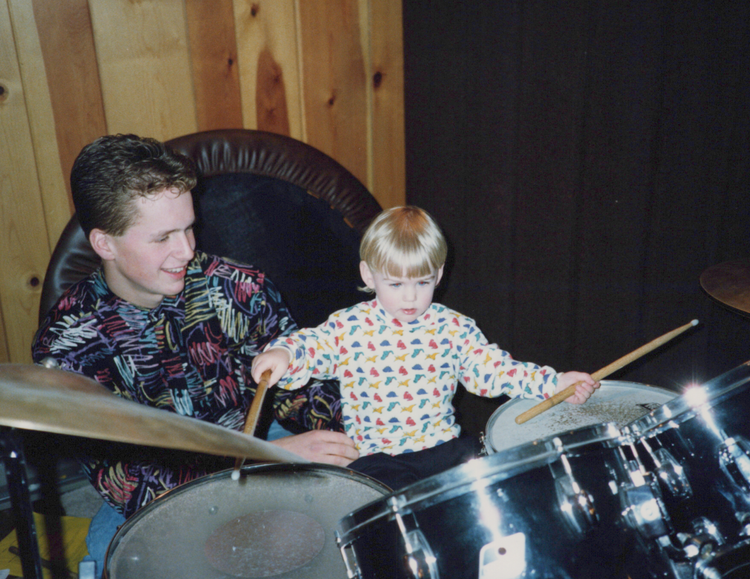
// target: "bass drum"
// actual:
[[276, 521], [549, 509], [615, 401]]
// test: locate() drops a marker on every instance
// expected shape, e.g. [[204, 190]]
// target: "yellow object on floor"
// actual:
[[70, 544]]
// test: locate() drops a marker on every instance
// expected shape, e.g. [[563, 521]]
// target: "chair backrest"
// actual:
[[265, 200]]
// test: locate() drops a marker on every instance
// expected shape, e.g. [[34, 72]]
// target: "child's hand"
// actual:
[[276, 359], [584, 390]]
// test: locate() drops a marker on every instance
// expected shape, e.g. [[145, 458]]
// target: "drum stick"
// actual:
[[606, 371], [252, 417]]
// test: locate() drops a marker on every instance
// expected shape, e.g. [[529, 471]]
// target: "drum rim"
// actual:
[[605, 383], [246, 470], [475, 475], [681, 410]]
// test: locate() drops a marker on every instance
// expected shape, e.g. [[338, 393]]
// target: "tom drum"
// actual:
[[564, 507]]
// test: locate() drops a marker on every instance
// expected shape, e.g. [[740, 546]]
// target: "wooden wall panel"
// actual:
[[144, 66], [55, 199], [387, 168], [327, 73], [213, 56], [24, 246], [67, 42], [333, 72], [269, 66]]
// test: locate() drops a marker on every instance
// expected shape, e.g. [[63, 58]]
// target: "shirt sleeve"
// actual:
[[316, 407], [488, 371], [314, 354]]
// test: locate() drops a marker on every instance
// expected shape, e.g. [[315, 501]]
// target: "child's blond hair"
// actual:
[[404, 242]]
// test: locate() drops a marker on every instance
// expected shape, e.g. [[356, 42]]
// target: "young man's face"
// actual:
[[404, 298], [148, 261]]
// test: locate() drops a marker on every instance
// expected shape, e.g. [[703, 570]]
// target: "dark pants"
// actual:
[[404, 469]]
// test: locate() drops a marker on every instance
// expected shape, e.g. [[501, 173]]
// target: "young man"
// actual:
[[167, 326], [400, 356]]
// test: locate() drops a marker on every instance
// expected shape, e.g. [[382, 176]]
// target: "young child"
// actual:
[[399, 358]]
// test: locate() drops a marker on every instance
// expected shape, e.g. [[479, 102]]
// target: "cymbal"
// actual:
[[729, 283], [33, 397]]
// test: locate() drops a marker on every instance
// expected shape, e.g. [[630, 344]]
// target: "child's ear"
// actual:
[[100, 242], [364, 271], [439, 275]]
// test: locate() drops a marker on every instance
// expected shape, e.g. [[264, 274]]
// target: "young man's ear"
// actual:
[[364, 271], [101, 244]]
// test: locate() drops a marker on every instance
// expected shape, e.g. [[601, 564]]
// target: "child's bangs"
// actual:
[[408, 264]]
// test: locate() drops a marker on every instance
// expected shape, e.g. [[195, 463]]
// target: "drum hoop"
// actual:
[[312, 468], [509, 405], [680, 410]]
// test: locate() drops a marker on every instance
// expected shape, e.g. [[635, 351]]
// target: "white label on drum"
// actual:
[[503, 559]]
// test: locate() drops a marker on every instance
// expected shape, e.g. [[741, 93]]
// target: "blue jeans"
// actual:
[[107, 520], [102, 530]]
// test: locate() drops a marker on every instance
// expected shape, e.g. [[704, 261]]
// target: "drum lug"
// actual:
[[734, 458], [576, 504], [744, 519], [483, 442], [670, 473], [707, 533], [350, 559], [419, 559], [643, 507]]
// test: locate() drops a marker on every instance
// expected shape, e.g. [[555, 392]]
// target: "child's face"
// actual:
[[404, 298]]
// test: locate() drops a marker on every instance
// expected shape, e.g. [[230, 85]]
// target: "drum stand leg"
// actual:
[[23, 518]]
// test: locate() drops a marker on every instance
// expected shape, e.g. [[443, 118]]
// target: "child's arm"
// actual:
[[309, 353], [276, 359]]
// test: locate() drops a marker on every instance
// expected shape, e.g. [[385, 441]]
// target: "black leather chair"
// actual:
[[266, 200]]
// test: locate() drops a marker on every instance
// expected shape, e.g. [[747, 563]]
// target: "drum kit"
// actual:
[[639, 482]]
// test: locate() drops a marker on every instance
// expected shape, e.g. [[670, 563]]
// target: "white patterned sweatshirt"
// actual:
[[398, 379]]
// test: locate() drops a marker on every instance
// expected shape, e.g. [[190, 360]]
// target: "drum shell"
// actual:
[[615, 401], [166, 539], [693, 429], [506, 494]]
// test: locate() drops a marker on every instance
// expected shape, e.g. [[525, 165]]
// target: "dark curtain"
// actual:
[[587, 161]]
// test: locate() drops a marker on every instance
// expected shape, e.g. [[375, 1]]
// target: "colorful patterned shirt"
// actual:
[[398, 379], [190, 355]]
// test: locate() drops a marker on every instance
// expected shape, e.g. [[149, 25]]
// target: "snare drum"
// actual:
[[615, 401], [276, 521], [698, 446], [552, 508]]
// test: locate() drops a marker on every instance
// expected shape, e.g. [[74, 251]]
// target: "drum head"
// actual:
[[616, 402], [276, 521]]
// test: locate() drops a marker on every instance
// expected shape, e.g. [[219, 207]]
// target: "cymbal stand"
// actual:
[[11, 452]]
